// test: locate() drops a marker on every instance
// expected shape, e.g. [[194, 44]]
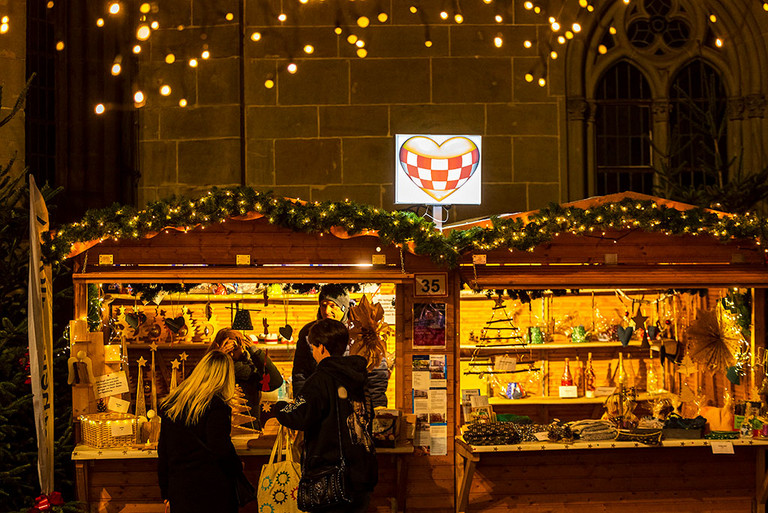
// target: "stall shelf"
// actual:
[[612, 476]]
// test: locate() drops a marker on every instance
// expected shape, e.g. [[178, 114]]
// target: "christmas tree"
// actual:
[[19, 485], [242, 419]]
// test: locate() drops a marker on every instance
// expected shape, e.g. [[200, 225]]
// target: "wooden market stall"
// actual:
[[568, 286], [238, 254]]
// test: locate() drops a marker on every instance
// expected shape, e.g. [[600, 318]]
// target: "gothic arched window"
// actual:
[[697, 126], [622, 131]]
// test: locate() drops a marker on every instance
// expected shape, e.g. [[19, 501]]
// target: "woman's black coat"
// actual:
[[197, 465]]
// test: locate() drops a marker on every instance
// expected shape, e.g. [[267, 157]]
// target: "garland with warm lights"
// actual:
[[627, 214], [402, 228], [125, 222]]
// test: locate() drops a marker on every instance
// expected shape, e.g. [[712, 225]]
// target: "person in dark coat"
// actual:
[[333, 406], [254, 371], [334, 304], [197, 463]]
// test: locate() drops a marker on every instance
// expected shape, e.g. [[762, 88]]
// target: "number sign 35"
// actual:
[[430, 285]]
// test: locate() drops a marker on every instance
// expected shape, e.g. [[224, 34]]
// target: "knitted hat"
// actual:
[[338, 294]]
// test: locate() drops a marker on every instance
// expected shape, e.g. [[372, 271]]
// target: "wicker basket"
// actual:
[[97, 429]]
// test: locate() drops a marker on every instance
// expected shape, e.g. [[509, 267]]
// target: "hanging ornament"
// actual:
[[141, 405], [711, 343], [183, 359], [153, 349], [174, 375]]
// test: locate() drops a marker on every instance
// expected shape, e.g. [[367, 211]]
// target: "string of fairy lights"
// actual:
[[352, 21], [403, 229]]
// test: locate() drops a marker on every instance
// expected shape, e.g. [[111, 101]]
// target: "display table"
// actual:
[[679, 476], [125, 479]]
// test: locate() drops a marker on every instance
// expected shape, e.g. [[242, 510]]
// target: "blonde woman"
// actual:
[[197, 463]]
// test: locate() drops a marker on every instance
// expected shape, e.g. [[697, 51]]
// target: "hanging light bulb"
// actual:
[[719, 42], [205, 54], [170, 58], [458, 17], [498, 41], [363, 21], [602, 49], [144, 8], [99, 22], [308, 49], [116, 66], [498, 18], [143, 32], [114, 8], [542, 82], [192, 62], [444, 15], [553, 55], [282, 16], [362, 53], [292, 68], [99, 108], [255, 36], [155, 25], [382, 17], [527, 43], [136, 49], [576, 27], [165, 90], [528, 5], [182, 102]]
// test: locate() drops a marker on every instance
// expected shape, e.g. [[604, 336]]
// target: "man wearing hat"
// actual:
[[334, 304]]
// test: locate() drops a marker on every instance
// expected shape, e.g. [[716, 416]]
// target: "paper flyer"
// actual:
[[438, 371], [111, 384], [429, 325], [438, 444]]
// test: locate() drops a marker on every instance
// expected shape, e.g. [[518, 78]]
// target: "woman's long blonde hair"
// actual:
[[214, 375]]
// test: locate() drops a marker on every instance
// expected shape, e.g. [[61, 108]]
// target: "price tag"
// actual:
[[431, 285], [721, 447], [569, 392], [121, 428], [505, 363], [542, 436]]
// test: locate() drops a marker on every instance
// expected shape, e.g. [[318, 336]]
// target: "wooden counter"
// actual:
[[677, 476], [125, 479]]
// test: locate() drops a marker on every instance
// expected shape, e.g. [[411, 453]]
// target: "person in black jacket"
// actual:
[[334, 304], [197, 463], [333, 406], [254, 371]]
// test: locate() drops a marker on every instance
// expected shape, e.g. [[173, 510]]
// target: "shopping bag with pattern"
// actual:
[[279, 480]]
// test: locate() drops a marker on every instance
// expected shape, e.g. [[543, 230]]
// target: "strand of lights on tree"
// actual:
[[351, 24]]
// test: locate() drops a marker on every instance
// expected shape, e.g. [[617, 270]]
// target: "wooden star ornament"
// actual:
[[175, 364], [141, 361], [639, 320]]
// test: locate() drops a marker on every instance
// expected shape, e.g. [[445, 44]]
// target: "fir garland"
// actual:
[[401, 228]]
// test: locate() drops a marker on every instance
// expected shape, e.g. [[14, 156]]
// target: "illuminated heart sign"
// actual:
[[439, 169]]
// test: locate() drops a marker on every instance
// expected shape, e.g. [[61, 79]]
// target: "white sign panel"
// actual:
[[438, 169]]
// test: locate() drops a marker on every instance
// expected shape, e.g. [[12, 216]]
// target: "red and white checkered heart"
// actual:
[[439, 169]]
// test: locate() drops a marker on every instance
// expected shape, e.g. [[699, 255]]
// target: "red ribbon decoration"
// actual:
[[46, 502]]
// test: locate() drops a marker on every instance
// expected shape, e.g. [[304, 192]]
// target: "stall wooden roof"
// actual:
[[619, 257]]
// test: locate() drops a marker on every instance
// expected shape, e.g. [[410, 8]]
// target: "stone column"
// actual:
[[660, 111], [577, 109]]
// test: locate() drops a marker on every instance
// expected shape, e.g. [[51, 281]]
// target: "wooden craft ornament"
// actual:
[[80, 369]]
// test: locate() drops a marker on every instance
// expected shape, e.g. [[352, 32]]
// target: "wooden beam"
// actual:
[[575, 276], [192, 274]]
